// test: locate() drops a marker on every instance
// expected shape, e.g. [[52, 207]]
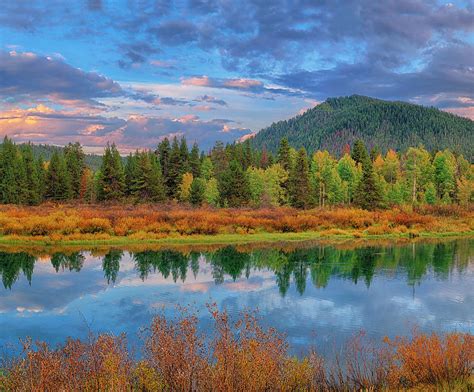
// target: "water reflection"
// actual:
[[319, 264], [315, 294]]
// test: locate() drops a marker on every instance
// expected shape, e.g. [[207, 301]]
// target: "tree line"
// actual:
[[320, 263], [237, 175]]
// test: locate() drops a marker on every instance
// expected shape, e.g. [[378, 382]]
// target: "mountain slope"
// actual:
[[398, 125]]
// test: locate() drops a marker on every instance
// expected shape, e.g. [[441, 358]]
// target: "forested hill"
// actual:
[[397, 125], [47, 150]]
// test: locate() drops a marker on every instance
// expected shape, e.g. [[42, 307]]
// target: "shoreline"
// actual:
[[231, 239]]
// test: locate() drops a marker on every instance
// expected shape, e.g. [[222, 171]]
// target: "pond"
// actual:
[[318, 295]]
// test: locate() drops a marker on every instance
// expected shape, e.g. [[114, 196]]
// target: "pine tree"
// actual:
[[32, 189], [156, 185], [58, 179], [75, 163], [299, 185], [111, 181], [283, 157], [198, 188], [131, 173], [359, 152], [368, 193], [10, 191], [194, 161], [164, 152], [233, 186], [184, 155], [175, 170]]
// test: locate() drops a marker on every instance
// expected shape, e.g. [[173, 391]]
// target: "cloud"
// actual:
[[211, 99], [28, 76], [176, 32], [240, 84], [41, 124]]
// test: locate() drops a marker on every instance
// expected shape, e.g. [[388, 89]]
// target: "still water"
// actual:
[[318, 295]]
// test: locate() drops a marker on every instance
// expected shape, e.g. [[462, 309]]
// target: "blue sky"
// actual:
[[134, 72]]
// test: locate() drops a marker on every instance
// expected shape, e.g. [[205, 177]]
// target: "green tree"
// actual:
[[194, 161], [32, 191], [75, 163], [211, 192], [111, 181], [299, 185], [349, 174], [58, 179], [233, 186], [368, 194], [444, 165], [359, 152], [418, 171], [430, 194], [198, 188], [283, 157]]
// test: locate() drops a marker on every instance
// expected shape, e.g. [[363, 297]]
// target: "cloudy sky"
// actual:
[[133, 72]]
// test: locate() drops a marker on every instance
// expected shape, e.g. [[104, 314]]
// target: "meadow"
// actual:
[[173, 223]]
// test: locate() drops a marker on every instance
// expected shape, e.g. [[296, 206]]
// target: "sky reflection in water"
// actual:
[[320, 295]]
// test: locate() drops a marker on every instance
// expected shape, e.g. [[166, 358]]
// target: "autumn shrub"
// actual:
[[64, 221], [432, 359]]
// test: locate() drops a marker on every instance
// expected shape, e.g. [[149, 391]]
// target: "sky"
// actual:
[[134, 72]]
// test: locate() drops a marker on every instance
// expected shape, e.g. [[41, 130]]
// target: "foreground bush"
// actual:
[[239, 356], [68, 222]]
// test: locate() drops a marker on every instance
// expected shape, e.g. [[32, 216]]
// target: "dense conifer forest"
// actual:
[[237, 175], [387, 125]]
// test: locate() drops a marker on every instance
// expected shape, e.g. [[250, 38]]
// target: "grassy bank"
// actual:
[[239, 355], [123, 225], [224, 239]]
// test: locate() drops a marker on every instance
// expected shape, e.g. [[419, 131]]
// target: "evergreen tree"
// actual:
[[283, 157], [198, 188], [368, 193], [111, 181], [164, 152], [175, 170], [58, 179], [75, 163], [233, 186], [194, 161], [184, 155], [359, 152], [10, 173], [299, 185], [131, 173], [156, 184], [33, 194]]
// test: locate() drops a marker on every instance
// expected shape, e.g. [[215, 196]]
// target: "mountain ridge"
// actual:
[[385, 124]]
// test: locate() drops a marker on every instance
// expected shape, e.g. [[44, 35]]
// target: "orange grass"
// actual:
[[239, 355], [50, 222]]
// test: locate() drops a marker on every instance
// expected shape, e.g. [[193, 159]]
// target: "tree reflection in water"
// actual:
[[319, 263]]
